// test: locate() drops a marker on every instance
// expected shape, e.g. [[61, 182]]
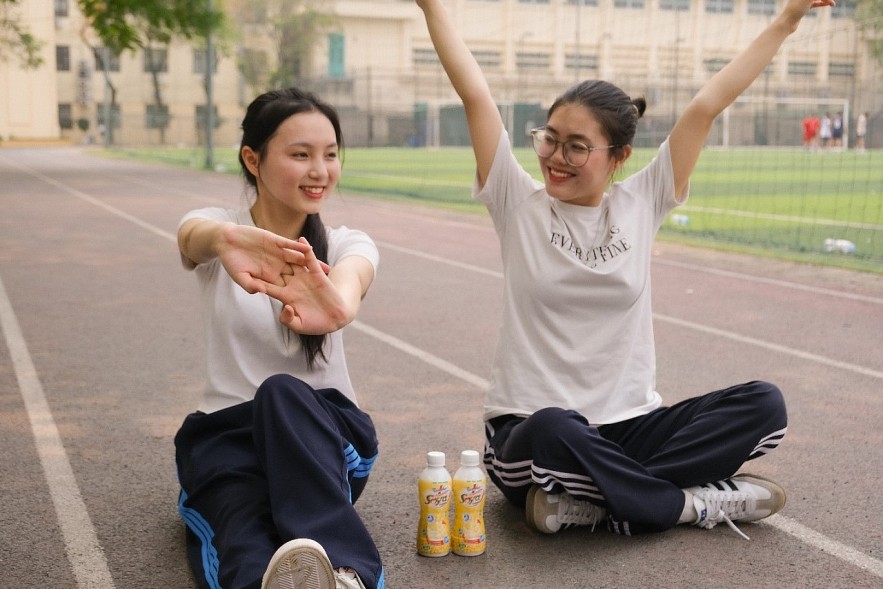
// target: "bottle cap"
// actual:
[[435, 459], [469, 458]]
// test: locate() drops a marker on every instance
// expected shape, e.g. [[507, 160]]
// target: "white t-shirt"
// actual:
[[577, 326], [245, 343]]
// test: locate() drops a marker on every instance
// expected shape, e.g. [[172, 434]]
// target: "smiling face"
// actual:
[[582, 185], [297, 169]]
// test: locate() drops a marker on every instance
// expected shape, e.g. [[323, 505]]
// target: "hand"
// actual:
[[311, 302], [797, 9], [256, 259]]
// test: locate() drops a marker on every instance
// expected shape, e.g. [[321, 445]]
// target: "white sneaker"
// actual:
[[299, 564], [548, 513], [744, 497], [348, 579]]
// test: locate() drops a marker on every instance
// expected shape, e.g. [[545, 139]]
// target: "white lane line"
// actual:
[[771, 346], [825, 544], [773, 281], [81, 542], [789, 526]]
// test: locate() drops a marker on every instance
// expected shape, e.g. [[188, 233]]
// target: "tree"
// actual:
[[292, 25], [129, 25], [17, 39], [869, 16]]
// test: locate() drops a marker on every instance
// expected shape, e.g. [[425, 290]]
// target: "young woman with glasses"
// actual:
[[576, 432]]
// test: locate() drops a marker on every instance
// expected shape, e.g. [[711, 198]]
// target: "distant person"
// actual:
[[278, 450], [825, 131], [576, 432], [810, 130], [837, 130], [861, 129]]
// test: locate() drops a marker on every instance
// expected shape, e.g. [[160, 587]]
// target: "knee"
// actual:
[[551, 425], [767, 399], [282, 388]]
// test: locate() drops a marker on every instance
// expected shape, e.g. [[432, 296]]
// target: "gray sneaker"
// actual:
[[548, 513], [299, 564], [744, 497]]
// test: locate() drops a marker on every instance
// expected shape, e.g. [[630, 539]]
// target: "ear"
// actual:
[[252, 160], [626, 154]]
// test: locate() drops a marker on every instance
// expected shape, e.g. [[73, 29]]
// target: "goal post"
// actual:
[[775, 121]]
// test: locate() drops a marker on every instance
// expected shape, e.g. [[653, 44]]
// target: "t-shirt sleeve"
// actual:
[[656, 181], [507, 185], [344, 242]]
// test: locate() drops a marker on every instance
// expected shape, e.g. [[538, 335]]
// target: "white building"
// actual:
[[375, 63]]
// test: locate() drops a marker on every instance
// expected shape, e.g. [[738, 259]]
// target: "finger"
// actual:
[[312, 262]]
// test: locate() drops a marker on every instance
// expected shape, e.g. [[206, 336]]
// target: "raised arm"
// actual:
[[482, 116], [691, 129]]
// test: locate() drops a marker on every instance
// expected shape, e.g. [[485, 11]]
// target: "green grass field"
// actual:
[[781, 203]]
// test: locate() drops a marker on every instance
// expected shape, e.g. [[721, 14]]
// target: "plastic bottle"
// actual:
[[434, 491], [470, 486]]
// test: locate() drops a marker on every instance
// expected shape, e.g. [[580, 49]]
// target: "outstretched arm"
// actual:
[[691, 129], [482, 116]]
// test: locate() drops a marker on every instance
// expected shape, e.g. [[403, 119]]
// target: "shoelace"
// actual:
[[346, 579], [574, 511], [724, 506]]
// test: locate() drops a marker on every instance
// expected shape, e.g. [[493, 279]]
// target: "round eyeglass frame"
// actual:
[[541, 139]]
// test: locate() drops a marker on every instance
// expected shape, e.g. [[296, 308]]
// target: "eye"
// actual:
[[577, 147], [548, 139], [300, 155]]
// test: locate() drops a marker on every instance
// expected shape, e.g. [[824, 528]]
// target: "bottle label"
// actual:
[[469, 532], [433, 532]]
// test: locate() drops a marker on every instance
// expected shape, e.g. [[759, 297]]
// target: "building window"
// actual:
[[842, 70], [424, 57], [61, 8], [714, 65], [762, 7], [200, 117], [62, 58], [679, 5], [156, 60], [113, 60], [114, 115], [65, 116], [583, 2], [487, 59], [802, 68], [844, 9], [533, 1], [628, 3], [336, 55], [199, 60], [533, 61], [719, 6], [572, 61], [156, 116]]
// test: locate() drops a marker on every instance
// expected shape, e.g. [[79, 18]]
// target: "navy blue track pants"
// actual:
[[289, 464], [636, 468]]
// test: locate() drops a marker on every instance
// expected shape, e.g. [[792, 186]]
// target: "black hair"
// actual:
[[616, 112], [262, 119]]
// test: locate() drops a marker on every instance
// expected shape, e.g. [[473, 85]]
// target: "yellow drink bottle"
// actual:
[[434, 494], [470, 485]]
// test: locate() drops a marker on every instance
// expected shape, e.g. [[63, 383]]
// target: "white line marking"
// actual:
[[81, 542], [825, 544], [771, 346], [773, 281]]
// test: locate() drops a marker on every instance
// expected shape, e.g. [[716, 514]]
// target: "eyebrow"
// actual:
[[309, 145], [579, 136]]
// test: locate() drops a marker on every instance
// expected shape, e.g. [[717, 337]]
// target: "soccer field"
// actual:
[[814, 206]]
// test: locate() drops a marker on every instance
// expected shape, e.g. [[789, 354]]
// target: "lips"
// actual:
[[313, 191], [558, 175]]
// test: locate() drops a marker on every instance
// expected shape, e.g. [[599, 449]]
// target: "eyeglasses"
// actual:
[[576, 153]]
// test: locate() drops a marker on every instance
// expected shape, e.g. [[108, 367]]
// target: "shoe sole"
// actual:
[[300, 554], [530, 515]]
